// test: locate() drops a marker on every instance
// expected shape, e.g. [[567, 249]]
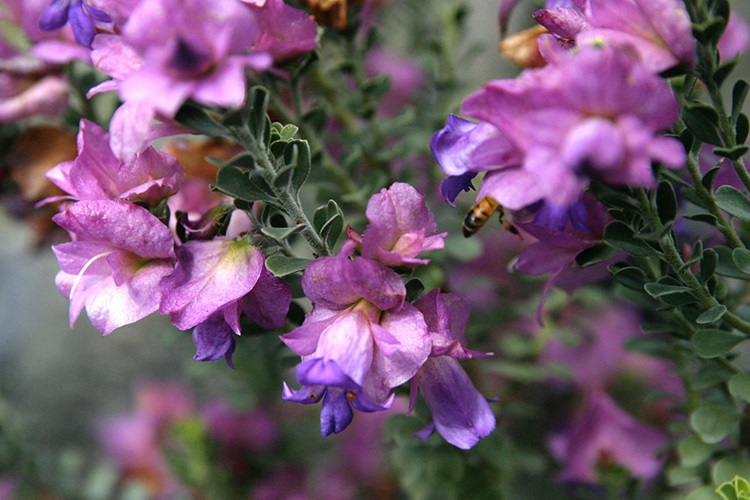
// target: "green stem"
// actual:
[[673, 258], [290, 203], [722, 224]]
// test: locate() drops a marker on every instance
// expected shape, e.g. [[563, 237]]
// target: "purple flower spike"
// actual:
[[81, 16], [460, 413], [401, 227]]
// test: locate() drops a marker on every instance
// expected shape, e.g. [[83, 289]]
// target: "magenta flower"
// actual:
[[360, 340], [557, 131], [97, 174], [461, 415], [603, 434], [200, 51], [401, 227], [561, 237], [215, 276], [283, 31], [405, 76], [660, 31], [80, 13], [113, 267]]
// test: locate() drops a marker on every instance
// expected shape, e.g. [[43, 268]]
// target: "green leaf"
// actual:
[[281, 265], [712, 315], [631, 277], [622, 237], [197, 119], [734, 153], [726, 266], [739, 386], [741, 259], [329, 222], [297, 154], [657, 290], [736, 489], [707, 218], [709, 263], [693, 451], [237, 184], [739, 94], [256, 109], [724, 70], [703, 121], [709, 178], [730, 467], [714, 421], [594, 255], [711, 342], [666, 202], [741, 128], [734, 202], [414, 288], [282, 233]]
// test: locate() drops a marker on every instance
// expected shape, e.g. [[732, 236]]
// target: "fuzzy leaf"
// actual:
[[281, 265], [712, 343], [712, 315], [621, 236], [713, 421], [734, 202], [703, 121], [739, 386]]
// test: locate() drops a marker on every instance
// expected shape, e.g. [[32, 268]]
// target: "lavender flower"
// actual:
[[199, 50], [213, 283], [113, 267], [401, 227], [602, 435], [360, 340], [658, 30], [461, 415], [283, 31], [97, 174], [556, 131]]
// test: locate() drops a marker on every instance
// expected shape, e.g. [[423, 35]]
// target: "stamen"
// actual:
[[83, 271]]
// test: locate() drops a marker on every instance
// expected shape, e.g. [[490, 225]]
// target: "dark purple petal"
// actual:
[[361, 402], [565, 23], [214, 340], [307, 395], [426, 432], [461, 414], [451, 187], [335, 412], [55, 15], [96, 14], [83, 27], [318, 371]]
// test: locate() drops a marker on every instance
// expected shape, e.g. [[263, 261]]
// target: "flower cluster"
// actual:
[[544, 136], [363, 339]]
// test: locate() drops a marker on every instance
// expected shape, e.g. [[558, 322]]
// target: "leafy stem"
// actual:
[[671, 255]]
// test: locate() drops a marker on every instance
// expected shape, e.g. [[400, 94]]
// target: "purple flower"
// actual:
[[460, 413], [283, 31], [557, 130], [660, 31], [561, 237], [736, 37], [401, 227], [361, 338], [603, 434], [97, 174], [266, 304], [172, 50], [113, 267], [405, 76], [215, 277], [81, 16]]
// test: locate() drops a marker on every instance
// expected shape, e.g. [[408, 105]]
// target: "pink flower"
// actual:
[[401, 228], [113, 267]]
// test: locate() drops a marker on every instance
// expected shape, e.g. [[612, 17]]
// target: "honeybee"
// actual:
[[481, 212]]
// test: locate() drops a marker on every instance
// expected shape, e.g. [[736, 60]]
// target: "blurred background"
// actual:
[[63, 381]]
